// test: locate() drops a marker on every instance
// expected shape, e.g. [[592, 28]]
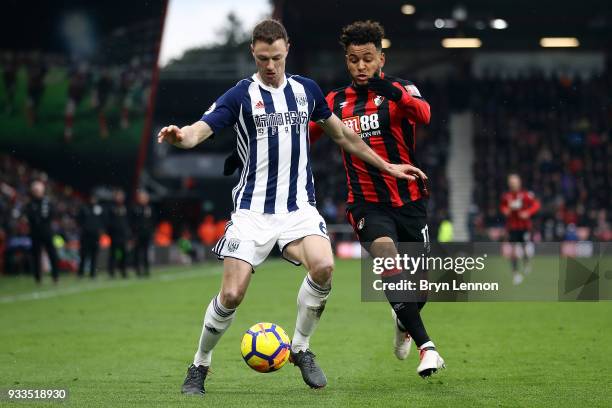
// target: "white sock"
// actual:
[[216, 321], [427, 344], [311, 303]]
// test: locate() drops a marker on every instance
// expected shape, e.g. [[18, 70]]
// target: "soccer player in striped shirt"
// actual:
[[384, 210], [274, 200]]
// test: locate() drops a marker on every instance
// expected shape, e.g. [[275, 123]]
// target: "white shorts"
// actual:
[[250, 236]]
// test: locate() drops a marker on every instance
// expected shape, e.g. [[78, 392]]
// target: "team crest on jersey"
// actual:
[[378, 100], [233, 244], [301, 99], [360, 224]]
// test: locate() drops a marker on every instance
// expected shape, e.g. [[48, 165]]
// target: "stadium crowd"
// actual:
[[86, 87], [555, 132], [81, 225]]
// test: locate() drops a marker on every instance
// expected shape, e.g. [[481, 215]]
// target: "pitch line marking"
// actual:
[[166, 277]]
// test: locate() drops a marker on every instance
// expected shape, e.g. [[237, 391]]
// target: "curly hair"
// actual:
[[362, 32], [269, 31]]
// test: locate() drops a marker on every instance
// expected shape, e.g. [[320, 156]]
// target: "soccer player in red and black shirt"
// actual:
[[519, 206], [384, 111]]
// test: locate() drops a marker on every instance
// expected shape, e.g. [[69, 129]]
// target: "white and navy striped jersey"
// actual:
[[272, 140]]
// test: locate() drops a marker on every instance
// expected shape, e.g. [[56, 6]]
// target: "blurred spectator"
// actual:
[[76, 91], [118, 229], [91, 222], [185, 245], [37, 71], [207, 231], [39, 212], [142, 221], [163, 234], [9, 72]]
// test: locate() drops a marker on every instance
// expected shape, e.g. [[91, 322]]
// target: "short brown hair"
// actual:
[[269, 31], [362, 32]]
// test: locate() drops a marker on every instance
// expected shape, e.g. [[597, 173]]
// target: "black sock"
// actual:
[[409, 316], [407, 305]]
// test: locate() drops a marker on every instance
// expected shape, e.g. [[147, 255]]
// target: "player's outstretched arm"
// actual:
[[351, 143], [185, 137]]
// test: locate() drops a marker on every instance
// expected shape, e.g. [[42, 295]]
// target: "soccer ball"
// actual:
[[265, 347]]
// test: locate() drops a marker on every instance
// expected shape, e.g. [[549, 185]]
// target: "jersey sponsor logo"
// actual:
[[352, 123], [301, 99], [366, 126], [274, 119], [212, 108], [233, 244], [516, 204]]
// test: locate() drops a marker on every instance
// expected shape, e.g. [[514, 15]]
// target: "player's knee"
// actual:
[[383, 248], [321, 272], [231, 297]]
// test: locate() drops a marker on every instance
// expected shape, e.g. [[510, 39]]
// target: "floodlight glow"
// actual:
[[461, 43]]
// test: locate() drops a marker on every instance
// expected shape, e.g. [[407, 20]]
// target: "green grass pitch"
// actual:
[[128, 343]]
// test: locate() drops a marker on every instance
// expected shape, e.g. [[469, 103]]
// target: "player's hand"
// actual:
[[406, 172], [232, 163], [171, 134], [384, 87]]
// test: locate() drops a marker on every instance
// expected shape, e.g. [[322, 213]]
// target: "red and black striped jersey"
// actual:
[[389, 129], [519, 207]]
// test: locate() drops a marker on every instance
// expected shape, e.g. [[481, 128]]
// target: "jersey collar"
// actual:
[[281, 88]]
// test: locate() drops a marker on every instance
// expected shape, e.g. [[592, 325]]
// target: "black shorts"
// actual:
[[518, 236], [402, 224]]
